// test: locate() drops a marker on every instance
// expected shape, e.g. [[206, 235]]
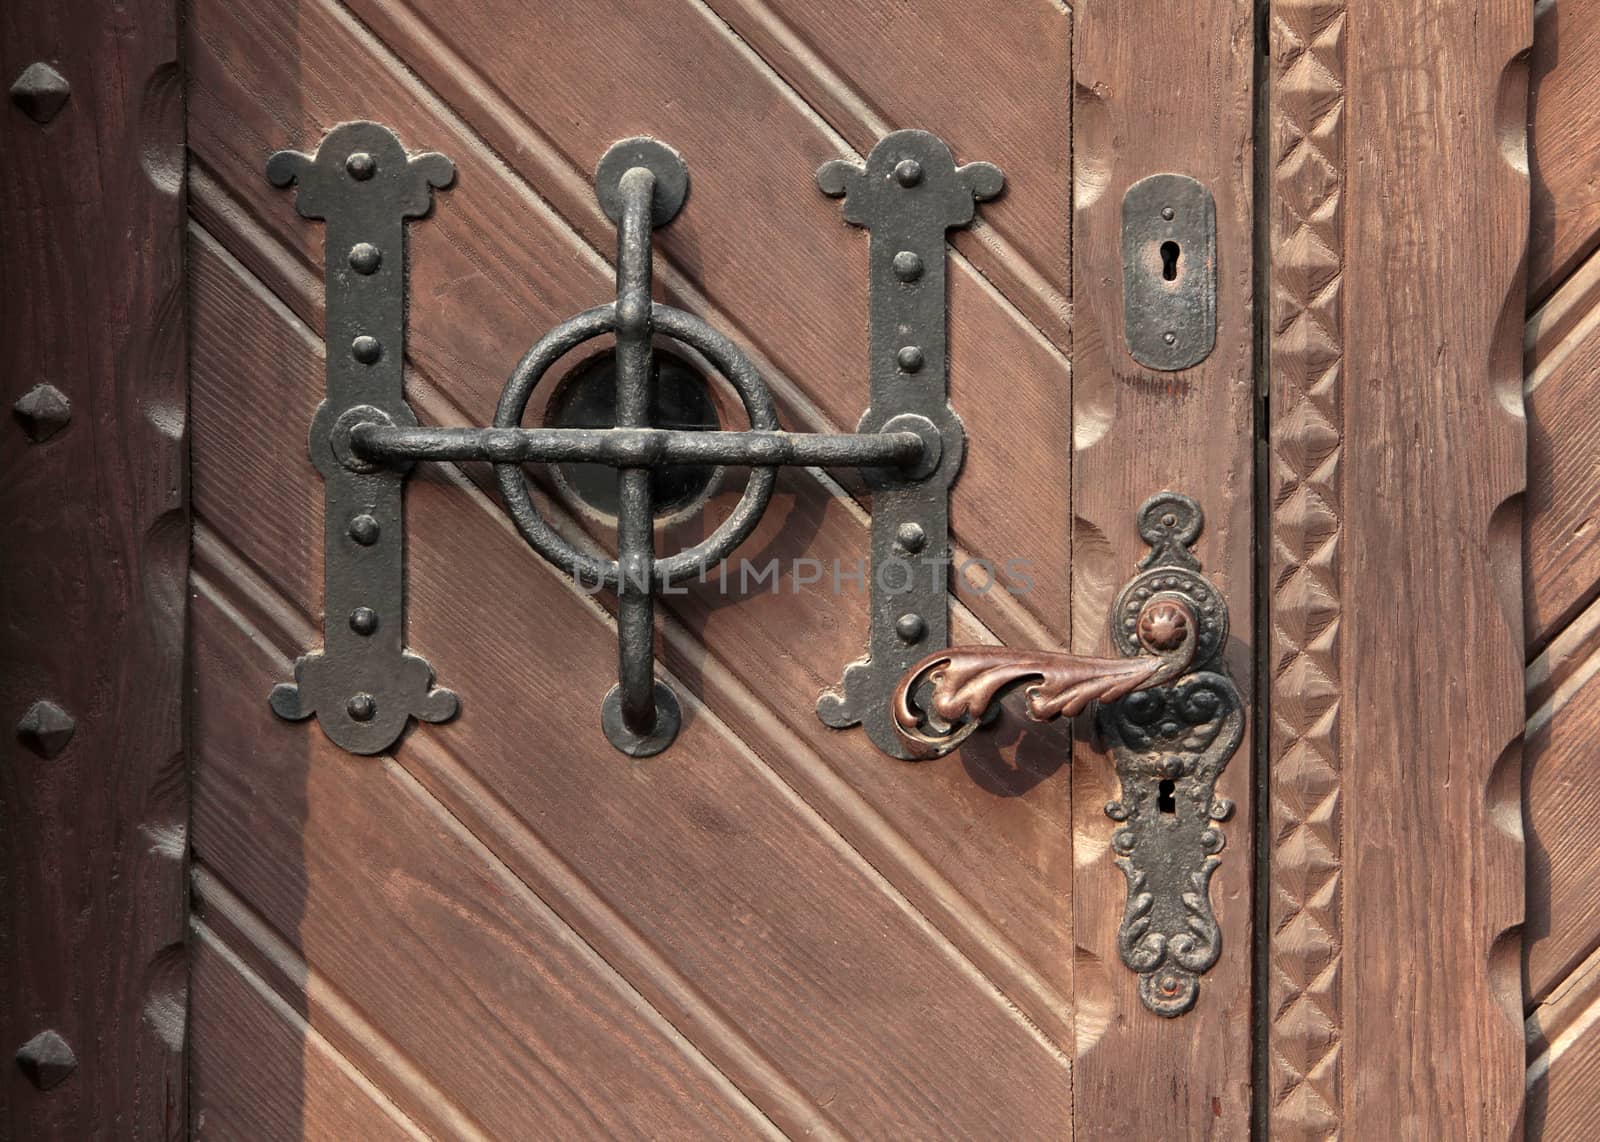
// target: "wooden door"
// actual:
[[771, 927], [502, 927]]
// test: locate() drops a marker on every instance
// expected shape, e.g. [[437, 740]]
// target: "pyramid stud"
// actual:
[[43, 410], [41, 91], [47, 1060], [46, 728]]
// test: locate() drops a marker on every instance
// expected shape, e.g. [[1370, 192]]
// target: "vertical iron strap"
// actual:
[[635, 512]]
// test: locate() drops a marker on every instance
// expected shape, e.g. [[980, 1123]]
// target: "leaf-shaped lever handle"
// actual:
[[941, 700]]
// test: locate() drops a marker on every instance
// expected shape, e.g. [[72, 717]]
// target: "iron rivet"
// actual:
[[911, 537], [47, 1060], [364, 530], [40, 91], [909, 358], [910, 628], [1168, 213], [44, 410], [363, 620], [1169, 520], [362, 707], [365, 258], [366, 349], [1169, 337], [46, 728], [908, 172], [361, 166], [907, 266], [1169, 984]]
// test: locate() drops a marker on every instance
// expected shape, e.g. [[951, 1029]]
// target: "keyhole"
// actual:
[[1165, 801], [1169, 260]]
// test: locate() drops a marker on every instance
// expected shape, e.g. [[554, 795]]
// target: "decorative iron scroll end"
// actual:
[[356, 153], [911, 161], [363, 711]]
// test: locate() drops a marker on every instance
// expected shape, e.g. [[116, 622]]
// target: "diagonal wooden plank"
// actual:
[[382, 895], [259, 1070], [1561, 531], [994, 80], [1563, 123], [769, 917], [1009, 869]]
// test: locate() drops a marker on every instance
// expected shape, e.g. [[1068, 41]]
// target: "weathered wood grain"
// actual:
[[832, 975], [1152, 94], [1564, 1059], [1563, 124], [489, 246], [92, 570], [1563, 824], [296, 1084], [1561, 537], [1432, 1043], [367, 878], [996, 79]]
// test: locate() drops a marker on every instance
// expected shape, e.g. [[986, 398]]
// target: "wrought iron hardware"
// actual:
[[1172, 719], [1169, 271], [364, 685]]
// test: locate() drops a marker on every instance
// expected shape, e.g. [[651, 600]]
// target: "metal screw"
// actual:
[[364, 530], [47, 1060], [44, 410], [1167, 213], [362, 707], [908, 172], [909, 358], [363, 620], [365, 258], [907, 266], [46, 728], [366, 349], [40, 91], [1169, 337], [911, 537], [361, 166], [910, 628]]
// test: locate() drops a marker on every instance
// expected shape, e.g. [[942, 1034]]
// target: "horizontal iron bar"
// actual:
[[636, 447]]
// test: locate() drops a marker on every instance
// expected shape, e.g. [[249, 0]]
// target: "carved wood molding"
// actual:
[[1307, 177]]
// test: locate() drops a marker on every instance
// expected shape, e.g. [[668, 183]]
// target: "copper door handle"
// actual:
[[1170, 718], [942, 700]]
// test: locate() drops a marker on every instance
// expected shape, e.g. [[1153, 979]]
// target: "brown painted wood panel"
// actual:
[[92, 572], [494, 258], [1153, 94], [1564, 122], [1432, 536], [829, 972]]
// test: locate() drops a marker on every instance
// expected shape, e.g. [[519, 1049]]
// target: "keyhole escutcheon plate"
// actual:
[[1169, 272]]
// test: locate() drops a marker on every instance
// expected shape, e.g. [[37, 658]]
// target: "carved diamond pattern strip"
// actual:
[[1308, 167]]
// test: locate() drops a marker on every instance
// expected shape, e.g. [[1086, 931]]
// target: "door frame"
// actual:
[[1396, 189], [1392, 196]]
